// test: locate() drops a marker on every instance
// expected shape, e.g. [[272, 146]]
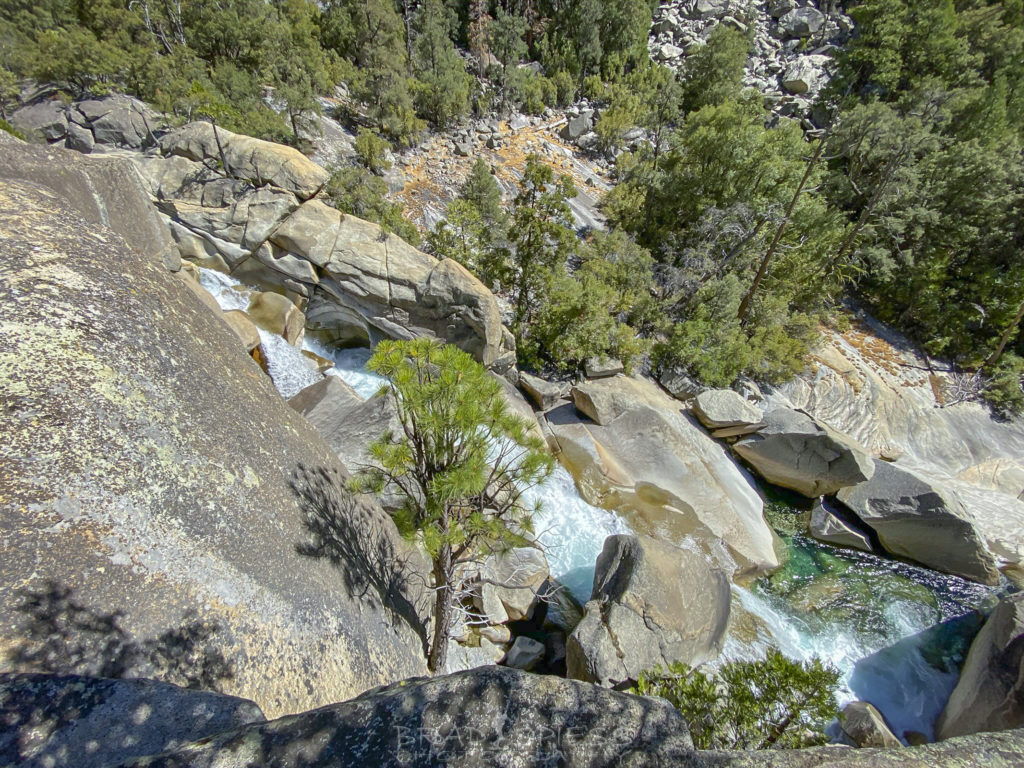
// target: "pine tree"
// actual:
[[443, 86], [460, 462]]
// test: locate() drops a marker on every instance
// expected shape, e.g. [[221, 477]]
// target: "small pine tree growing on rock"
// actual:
[[773, 703], [460, 463]]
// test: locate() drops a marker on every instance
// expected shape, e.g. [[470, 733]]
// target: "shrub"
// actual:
[[774, 703]]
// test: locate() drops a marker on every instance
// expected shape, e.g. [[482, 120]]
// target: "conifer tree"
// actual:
[[460, 461]]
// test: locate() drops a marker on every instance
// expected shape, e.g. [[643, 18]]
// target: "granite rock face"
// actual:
[[53, 721], [165, 513]]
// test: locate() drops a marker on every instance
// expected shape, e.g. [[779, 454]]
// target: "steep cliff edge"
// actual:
[[163, 512]]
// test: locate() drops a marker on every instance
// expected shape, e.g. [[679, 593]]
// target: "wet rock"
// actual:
[[654, 464], [827, 527], [990, 693], [89, 722], [273, 312], [244, 328], [796, 452], [866, 727], [652, 604], [922, 521]]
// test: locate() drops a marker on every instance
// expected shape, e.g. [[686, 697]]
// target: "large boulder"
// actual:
[[922, 521], [652, 605], [254, 160], [990, 693], [118, 120], [651, 462], [273, 312], [801, 22], [165, 513], [45, 120], [391, 290], [481, 718], [794, 451], [68, 721], [872, 385]]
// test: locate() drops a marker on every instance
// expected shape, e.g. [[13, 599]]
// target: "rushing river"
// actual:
[[897, 633]]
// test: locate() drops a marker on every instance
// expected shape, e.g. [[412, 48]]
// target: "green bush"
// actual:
[[1004, 391], [774, 703], [7, 127]]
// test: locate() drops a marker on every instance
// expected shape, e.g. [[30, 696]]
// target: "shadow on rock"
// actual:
[[356, 539], [62, 635]]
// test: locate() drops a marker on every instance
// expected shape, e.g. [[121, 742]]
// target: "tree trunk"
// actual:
[[443, 576], [770, 253], [1004, 339]]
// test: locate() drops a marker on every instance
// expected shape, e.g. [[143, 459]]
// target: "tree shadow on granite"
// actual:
[[62, 635], [353, 537]]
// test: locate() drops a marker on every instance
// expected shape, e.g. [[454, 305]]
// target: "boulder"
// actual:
[[602, 367], [254, 160], [577, 126], [719, 408], [653, 604], [659, 468], [826, 526], [680, 384], [118, 120], [42, 121], [802, 76], [711, 9], [510, 583], [668, 52], [801, 22], [166, 514], [990, 693], [243, 327], [866, 727], [273, 312], [544, 393], [91, 722], [525, 653], [79, 139], [480, 718], [794, 451], [377, 285], [922, 521], [241, 215], [347, 422]]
